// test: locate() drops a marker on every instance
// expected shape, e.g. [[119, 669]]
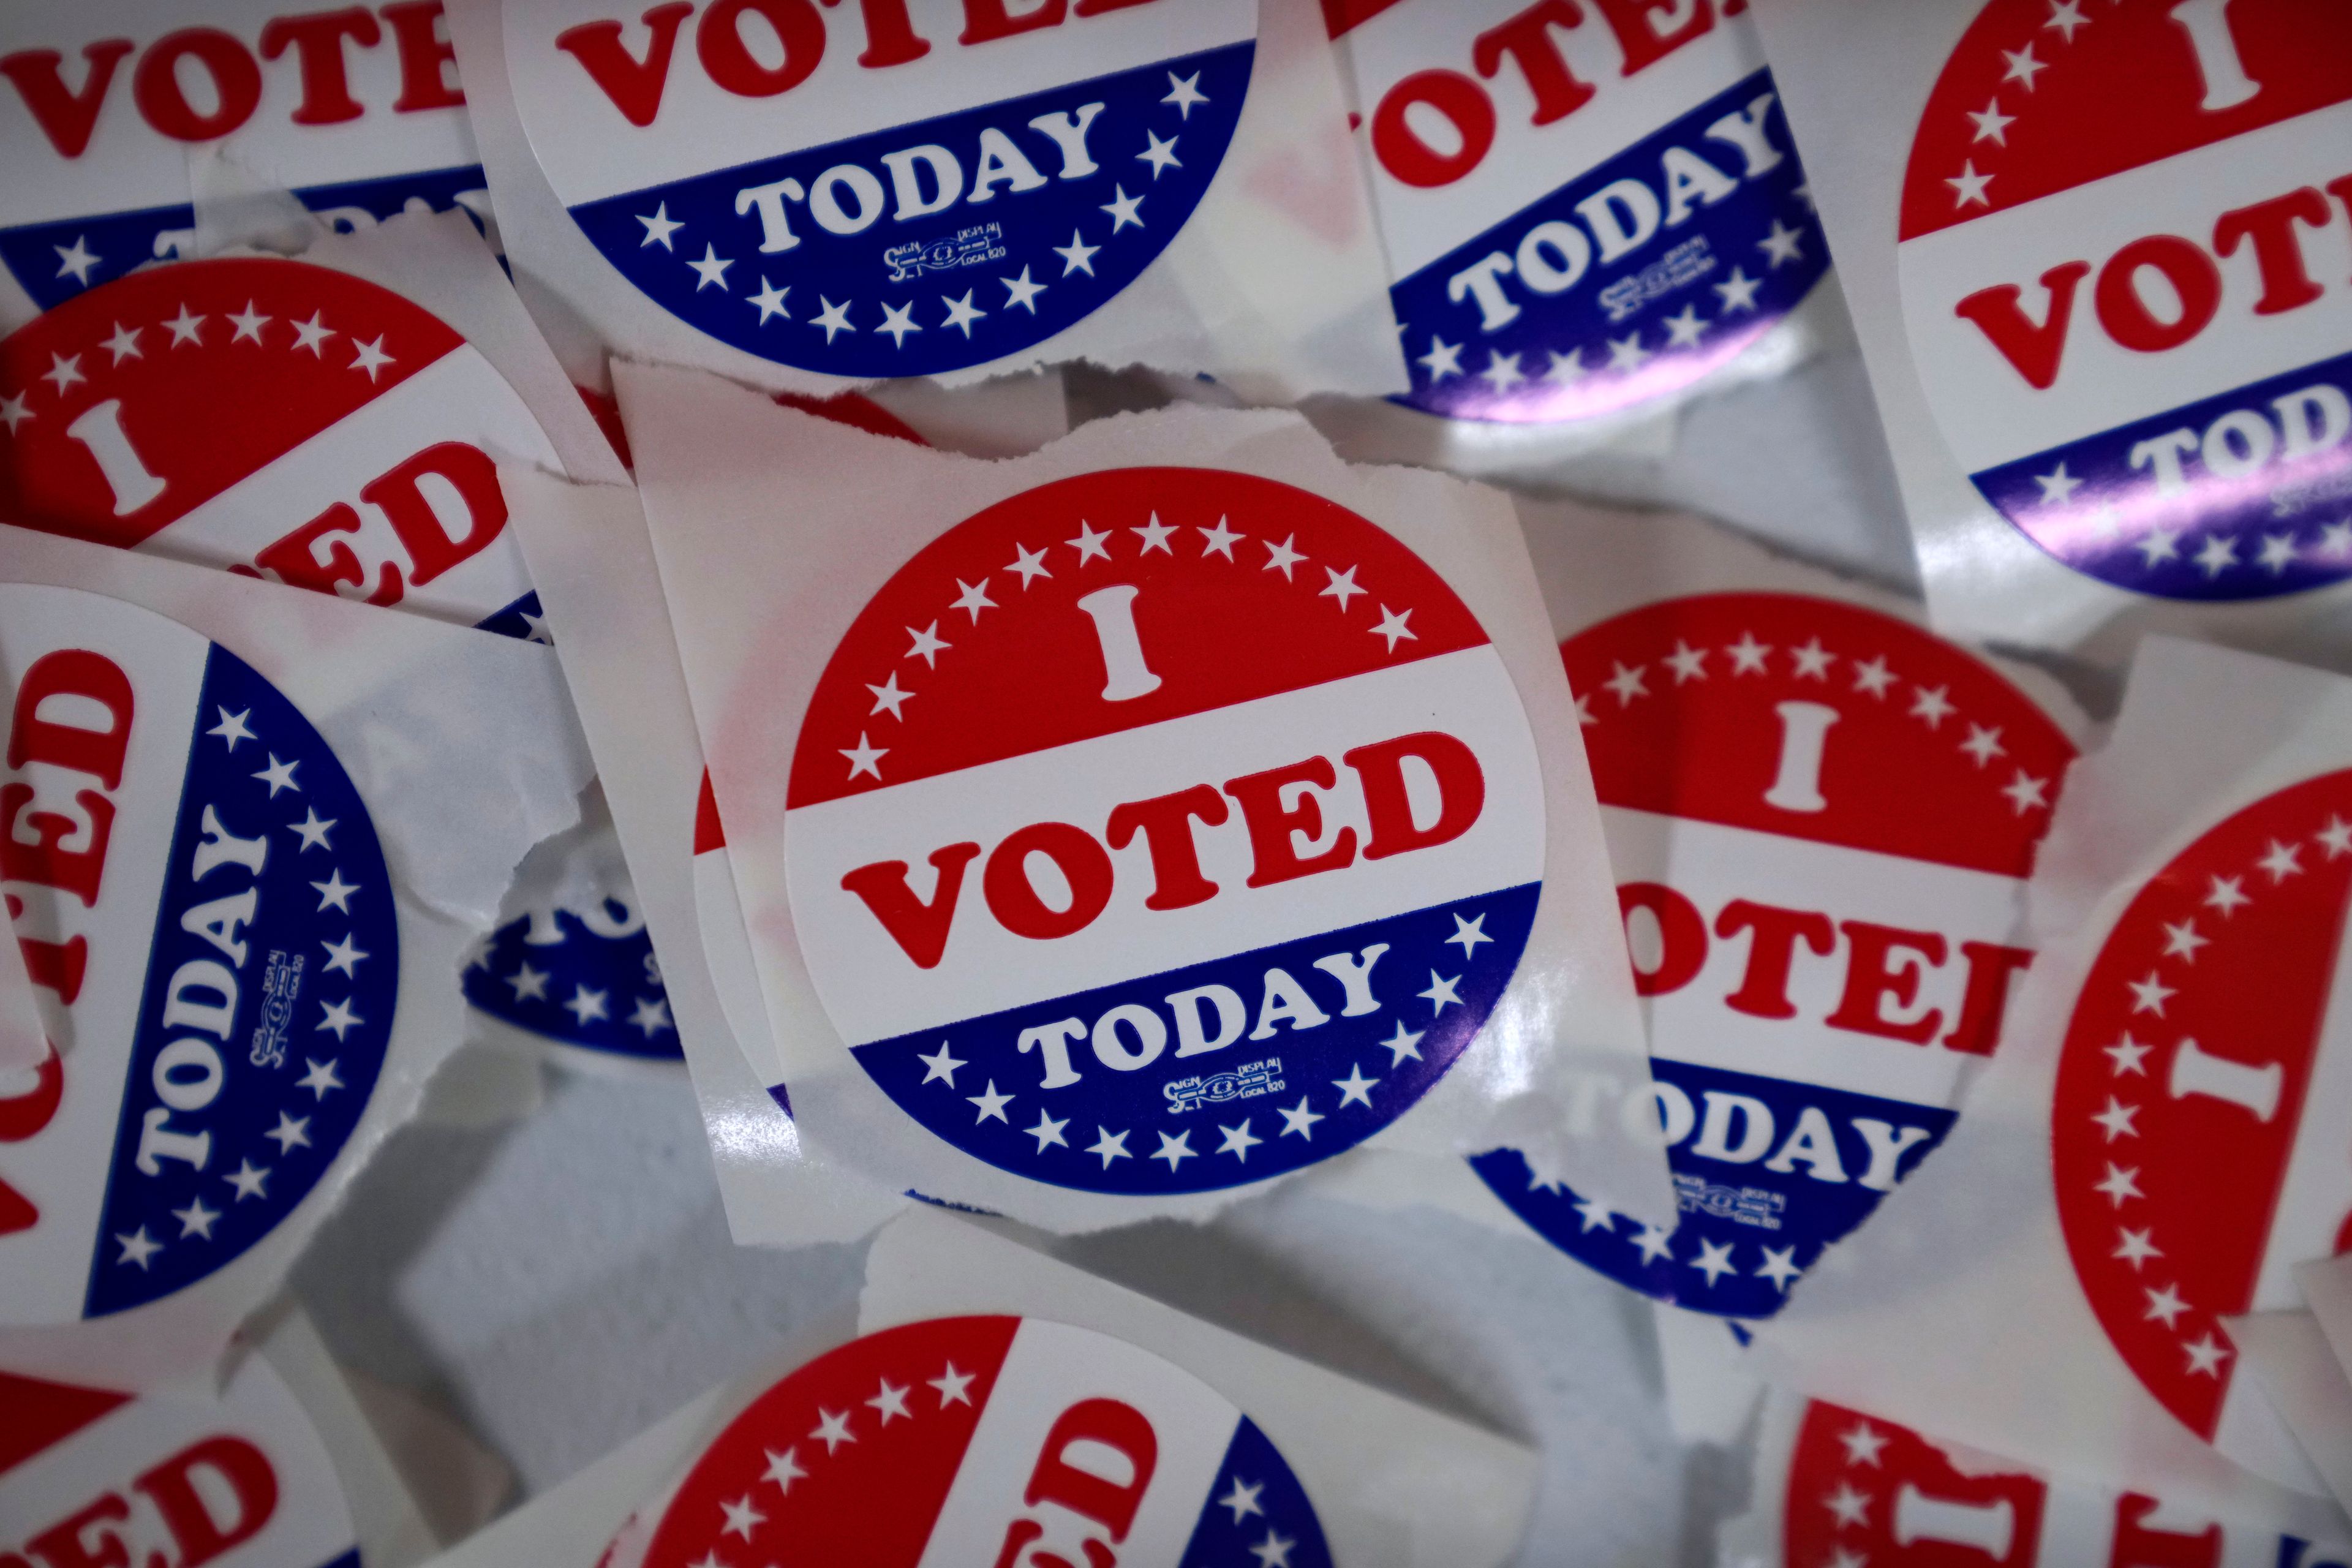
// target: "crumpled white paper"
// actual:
[[2288, 1355]]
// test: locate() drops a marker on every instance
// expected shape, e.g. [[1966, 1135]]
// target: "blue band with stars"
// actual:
[[1305, 1083], [1694, 291], [830, 259], [271, 981], [1258, 1515], [1746, 1230]]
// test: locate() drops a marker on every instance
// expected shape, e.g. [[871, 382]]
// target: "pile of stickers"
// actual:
[[536, 532]]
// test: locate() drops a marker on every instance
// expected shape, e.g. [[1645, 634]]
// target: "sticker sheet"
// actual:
[[113, 116], [2111, 334], [2158, 1145], [249, 835], [1820, 819], [810, 199], [1838, 1488], [1009, 1025]]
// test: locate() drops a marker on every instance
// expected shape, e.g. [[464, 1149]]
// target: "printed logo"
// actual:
[[921, 187], [207, 919], [242, 1480], [1683, 233], [355, 110], [1151, 776], [2133, 315], [1012, 1440], [583, 975], [1822, 815], [2196, 1125]]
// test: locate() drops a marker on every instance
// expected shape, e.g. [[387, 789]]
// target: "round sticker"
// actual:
[[2196, 1125], [1160, 830], [360, 117], [207, 916], [901, 189], [2132, 312], [1821, 816], [1867, 1492], [991, 1440], [583, 975], [92, 1476], [1682, 232]]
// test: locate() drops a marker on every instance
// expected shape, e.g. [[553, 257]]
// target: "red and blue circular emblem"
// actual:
[[202, 900], [1822, 815], [2126, 254], [1161, 830], [2195, 1127], [996, 1439]]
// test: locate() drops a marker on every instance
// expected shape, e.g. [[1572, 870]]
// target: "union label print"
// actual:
[[2132, 314], [1162, 830], [1821, 816]]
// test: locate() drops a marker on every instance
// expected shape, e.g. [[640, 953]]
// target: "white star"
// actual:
[[2058, 486], [232, 728], [927, 647], [1243, 1500], [2182, 940], [195, 1219], [2336, 538], [1654, 1243], [1968, 186], [291, 1132], [955, 1387], [64, 369], [1932, 705], [1089, 542], [1685, 329], [2120, 1184], [2284, 860], [2219, 555], [1184, 92], [2117, 1120], [1048, 1131], [1714, 1260], [188, 329], [528, 983], [973, 599], [2022, 66], [1281, 557], [889, 696], [832, 1430], [743, 1517], [313, 334], [249, 1181], [1813, 660], [1595, 1215], [2336, 837], [941, 1067], [1626, 684], [1161, 155], [14, 411], [75, 261], [1299, 1118], [321, 1079], [2148, 995], [650, 1016], [711, 270], [1584, 708], [1355, 1088], [1239, 1141], [1176, 1150], [1404, 1043], [1779, 1266], [2128, 1054], [1022, 291], [865, 757], [2066, 16], [1992, 125], [1627, 352], [2026, 793], [770, 301], [1110, 1145], [1078, 255], [1393, 627], [368, 356], [2161, 544], [249, 325], [138, 1247], [344, 956], [2205, 1354], [1502, 372], [278, 775], [658, 228], [1469, 934], [961, 313], [898, 320], [587, 1005], [2278, 552], [1029, 563], [1444, 359], [1783, 245], [338, 1016], [1864, 1443], [1274, 1551], [1441, 992], [1983, 744], [2228, 893], [1874, 678], [1689, 663], [334, 892], [833, 319], [783, 1469], [123, 344], [1342, 586], [991, 1105], [1739, 291], [2165, 1305], [1747, 654], [1219, 540], [890, 1401], [2135, 1247], [1566, 369], [311, 831], [1154, 535], [1851, 1507]]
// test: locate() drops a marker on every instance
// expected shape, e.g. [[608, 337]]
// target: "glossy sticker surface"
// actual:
[[992, 1439], [209, 923], [356, 110], [2132, 309], [902, 189], [1680, 234], [1161, 830], [1821, 816], [2197, 1126]]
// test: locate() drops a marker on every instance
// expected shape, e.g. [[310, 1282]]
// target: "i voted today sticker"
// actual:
[[902, 188], [2132, 311], [1160, 830], [1001, 1439], [1585, 207], [92, 1476], [1821, 816], [2195, 1127], [208, 920], [357, 110]]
